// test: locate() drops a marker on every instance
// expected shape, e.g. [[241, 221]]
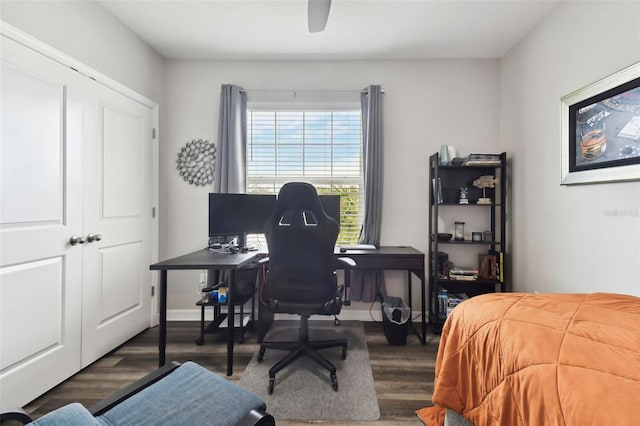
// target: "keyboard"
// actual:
[[358, 247]]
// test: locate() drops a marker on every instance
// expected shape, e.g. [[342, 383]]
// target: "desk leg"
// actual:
[[410, 303], [422, 302], [162, 339], [409, 294], [422, 337], [230, 321]]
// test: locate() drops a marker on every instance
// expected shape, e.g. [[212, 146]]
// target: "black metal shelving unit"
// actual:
[[445, 181]]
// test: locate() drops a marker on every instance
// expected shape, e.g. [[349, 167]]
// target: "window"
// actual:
[[322, 147]]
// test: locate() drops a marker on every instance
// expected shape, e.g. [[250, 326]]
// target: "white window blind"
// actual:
[[322, 147]]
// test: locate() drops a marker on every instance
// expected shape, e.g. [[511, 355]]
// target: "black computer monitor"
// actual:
[[238, 214], [241, 214]]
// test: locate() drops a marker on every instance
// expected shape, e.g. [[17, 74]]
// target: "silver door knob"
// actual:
[[76, 240], [93, 237]]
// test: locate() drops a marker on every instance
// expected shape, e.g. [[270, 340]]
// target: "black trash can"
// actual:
[[395, 320]]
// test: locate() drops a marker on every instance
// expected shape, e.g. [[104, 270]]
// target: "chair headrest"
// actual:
[[298, 205], [298, 196]]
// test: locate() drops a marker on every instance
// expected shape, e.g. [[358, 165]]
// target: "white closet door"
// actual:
[[40, 210], [117, 205]]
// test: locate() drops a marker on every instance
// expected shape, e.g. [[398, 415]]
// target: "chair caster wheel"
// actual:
[[272, 382], [199, 341], [334, 382], [260, 355]]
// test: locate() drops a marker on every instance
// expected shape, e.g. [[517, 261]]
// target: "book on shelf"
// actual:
[[482, 160], [460, 270], [459, 273], [462, 277], [499, 264], [454, 299]]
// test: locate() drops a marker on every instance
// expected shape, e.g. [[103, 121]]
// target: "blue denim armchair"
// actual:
[[176, 394]]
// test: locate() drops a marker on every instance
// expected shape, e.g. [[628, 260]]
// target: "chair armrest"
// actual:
[[257, 417], [14, 416], [115, 399], [263, 260], [347, 264]]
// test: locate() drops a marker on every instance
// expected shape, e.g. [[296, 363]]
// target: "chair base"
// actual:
[[303, 347]]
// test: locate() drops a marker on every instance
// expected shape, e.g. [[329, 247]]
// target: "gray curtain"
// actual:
[[231, 170], [365, 285]]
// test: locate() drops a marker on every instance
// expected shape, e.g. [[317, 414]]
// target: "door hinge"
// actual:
[[153, 133], [153, 212], [153, 290]]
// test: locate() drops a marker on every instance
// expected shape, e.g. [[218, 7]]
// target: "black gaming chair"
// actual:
[[301, 273]]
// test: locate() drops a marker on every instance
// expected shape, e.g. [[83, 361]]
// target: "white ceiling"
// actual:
[[356, 29]]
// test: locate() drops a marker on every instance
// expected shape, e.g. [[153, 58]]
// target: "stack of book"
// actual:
[[463, 274], [482, 160], [455, 300]]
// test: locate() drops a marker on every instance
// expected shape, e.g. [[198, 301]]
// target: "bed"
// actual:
[[539, 359]]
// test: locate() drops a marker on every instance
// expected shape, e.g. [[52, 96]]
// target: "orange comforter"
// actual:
[[540, 359]]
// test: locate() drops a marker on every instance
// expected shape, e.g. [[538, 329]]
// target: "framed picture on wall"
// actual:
[[601, 130]]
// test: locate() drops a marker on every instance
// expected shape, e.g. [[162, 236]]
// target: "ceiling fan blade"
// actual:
[[318, 13]]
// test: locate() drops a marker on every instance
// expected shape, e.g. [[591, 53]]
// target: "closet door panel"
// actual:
[[48, 283], [41, 209], [120, 266], [118, 202], [35, 154], [124, 149]]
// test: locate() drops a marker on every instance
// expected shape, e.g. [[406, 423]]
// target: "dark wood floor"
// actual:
[[403, 375]]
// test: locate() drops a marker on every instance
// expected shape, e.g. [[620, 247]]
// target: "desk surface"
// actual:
[[205, 259], [382, 251], [384, 257], [387, 257]]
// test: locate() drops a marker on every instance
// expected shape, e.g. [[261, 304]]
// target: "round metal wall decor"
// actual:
[[196, 162]]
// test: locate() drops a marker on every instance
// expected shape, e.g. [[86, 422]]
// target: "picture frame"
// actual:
[[600, 125]]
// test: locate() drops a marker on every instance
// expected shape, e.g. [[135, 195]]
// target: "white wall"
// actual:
[[426, 104], [566, 239], [88, 33]]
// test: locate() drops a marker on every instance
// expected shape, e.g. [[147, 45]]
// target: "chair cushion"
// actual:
[[190, 395], [69, 415]]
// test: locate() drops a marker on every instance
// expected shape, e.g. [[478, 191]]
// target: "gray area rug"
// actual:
[[303, 389]]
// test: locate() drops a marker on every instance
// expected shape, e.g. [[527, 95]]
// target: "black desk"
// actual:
[[201, 259], [396, 258], [383, 258]]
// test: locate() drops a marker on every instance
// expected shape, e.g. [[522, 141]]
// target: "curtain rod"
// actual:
[[294, 91]]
